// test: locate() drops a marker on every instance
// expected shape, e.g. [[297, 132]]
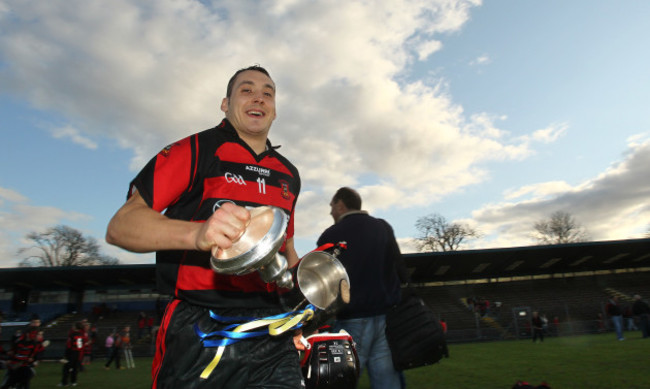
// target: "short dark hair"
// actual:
[[349, 196], [231, 82]]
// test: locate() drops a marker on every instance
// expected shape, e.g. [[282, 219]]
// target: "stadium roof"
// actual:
[[79, 277], [528, 261], [424, 267]]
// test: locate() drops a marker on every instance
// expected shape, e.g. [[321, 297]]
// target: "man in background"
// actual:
[[24, 356], [641, 310], [371, 260], [538, 327], [74, 351], [615, 314]]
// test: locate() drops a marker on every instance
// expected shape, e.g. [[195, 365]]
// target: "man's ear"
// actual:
[[224, 104]]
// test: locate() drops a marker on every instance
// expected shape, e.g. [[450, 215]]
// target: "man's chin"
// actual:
[[255, 131]]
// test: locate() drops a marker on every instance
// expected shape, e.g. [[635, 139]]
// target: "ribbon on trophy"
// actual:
[[253, 327]]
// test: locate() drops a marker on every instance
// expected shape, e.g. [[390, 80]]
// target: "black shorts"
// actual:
[[261, 362]]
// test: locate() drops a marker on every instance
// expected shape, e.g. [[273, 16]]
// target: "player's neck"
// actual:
[[258, 144]]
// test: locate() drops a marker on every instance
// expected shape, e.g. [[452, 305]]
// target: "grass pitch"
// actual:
[[591, 361]]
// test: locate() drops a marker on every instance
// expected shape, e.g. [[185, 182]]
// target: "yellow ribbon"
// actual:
[[276, 327]]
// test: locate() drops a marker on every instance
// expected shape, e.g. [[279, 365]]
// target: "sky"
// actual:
[[491, 113]]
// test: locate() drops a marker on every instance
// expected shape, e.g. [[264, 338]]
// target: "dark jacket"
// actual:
[[370, 261], [613, 309], [640, 308]]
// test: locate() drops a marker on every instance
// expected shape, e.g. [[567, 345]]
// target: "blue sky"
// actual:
[[494, 113]]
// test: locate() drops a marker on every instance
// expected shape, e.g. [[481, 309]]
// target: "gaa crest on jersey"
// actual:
[[284, 190], [165, 152]]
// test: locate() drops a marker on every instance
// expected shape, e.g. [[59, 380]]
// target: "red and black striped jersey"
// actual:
[[77, 339], [26, 349], [189, 180]]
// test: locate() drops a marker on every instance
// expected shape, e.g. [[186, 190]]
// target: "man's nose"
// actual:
[[258, 98]]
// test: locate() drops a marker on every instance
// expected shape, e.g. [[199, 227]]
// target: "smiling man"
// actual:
[[250, 107], [188, 202]]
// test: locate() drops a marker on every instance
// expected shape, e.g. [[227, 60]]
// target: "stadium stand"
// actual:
[[572, 282]]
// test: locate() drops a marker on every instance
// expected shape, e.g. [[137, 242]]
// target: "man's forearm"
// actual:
[[138, 228]]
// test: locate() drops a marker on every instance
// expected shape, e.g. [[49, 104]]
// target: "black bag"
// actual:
[[414, 333]]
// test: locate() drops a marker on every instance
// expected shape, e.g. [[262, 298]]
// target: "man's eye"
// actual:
[[269, 94]]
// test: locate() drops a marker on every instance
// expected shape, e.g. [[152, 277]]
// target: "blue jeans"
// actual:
[[618, 326], [372, 348]]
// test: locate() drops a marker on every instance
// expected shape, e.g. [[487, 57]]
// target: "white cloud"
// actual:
[[481, 60], [154, 72], [541, 190], [551, 133], [613, 205], [11, 196], [74, 135], [427, 48], [408, 245], [18, 218]]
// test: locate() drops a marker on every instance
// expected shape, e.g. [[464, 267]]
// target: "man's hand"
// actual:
[[226, 225], [297, 340]]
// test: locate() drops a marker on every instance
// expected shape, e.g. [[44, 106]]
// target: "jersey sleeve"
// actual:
[[167, 175]]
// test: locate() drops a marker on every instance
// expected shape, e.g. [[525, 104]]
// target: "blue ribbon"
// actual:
[[233, 333], [229, 337]]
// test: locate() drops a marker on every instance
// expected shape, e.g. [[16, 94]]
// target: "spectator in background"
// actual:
[[96, 314], [482, 306], [628, 316], [149, 325], [34, 321], [556, 326], [126, 337], [615, 313], [537, 325], [108, 344], [17, 334], [24, 356], [445, 350], [641, 309], [91, 335], [116, 351], [600, 323], [496, 308], [470, 303], [372, 260], [74, 350], [142, 324], [126, 346]]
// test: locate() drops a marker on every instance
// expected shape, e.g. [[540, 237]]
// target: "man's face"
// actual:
[[336, 209], [251, 106]]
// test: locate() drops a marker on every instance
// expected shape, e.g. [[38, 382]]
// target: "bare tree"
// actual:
[[560, 228], [437, 234], [63, 246]]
